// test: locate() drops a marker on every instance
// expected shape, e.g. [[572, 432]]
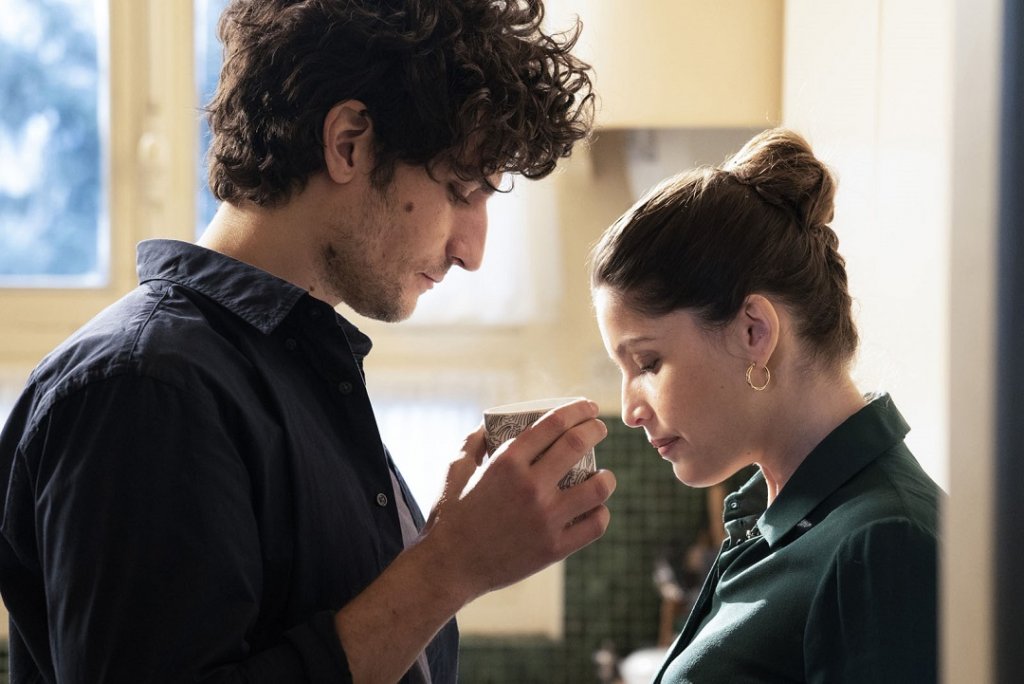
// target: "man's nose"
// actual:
[[466, 246]]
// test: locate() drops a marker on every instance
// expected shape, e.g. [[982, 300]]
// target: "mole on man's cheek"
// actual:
[[409, 206]]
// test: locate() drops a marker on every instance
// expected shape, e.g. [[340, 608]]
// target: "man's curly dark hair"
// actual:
[[471, 83]]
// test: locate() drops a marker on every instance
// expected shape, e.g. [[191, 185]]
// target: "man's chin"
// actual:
[[396, 317], [386, 312]]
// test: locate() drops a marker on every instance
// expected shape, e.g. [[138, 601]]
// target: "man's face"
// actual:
[[397, 242]]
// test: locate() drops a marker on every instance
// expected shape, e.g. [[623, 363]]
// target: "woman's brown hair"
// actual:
[[707, 238], [472, 83]]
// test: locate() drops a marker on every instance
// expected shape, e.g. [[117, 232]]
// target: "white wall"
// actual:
[[967, 559], [869, 83], [901, 96]]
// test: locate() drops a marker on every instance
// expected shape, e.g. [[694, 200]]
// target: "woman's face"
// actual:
[[680, 384]]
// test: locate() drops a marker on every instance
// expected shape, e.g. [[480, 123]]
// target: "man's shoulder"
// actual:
[[166, 334]]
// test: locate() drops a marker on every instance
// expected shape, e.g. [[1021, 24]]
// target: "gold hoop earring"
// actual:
[[767, 377]]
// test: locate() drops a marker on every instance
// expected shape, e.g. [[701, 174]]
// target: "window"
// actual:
[[208, 58], [51, 183], [97, 99]]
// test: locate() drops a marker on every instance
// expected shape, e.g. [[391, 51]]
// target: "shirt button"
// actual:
[[382, 499], [734, 505], [345, 387], [290, 344]]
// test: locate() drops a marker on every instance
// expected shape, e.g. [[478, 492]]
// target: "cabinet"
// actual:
[[680, 63]]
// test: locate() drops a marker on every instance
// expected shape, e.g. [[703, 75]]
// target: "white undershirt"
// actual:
[[420, 671]]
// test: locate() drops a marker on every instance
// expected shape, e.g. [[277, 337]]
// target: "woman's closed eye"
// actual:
[[648, 364]]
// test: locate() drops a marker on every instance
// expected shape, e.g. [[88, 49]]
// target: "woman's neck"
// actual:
[[806, 413]]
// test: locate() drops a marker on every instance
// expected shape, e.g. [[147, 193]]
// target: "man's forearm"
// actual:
[[390, 623]]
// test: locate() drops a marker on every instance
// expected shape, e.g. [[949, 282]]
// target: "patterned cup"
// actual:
[[502, 423]]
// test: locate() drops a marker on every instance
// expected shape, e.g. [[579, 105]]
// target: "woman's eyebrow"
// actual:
[[632, 341]]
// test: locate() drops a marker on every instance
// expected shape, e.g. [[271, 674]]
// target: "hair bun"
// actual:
[[779, 165]]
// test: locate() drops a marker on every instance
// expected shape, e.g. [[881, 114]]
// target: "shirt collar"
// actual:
[[858, 441], [255, 296]]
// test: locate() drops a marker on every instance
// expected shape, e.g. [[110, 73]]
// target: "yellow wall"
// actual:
[[680, 63]]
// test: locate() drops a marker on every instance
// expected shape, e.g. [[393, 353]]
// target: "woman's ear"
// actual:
[[348, 134], [758, 329]]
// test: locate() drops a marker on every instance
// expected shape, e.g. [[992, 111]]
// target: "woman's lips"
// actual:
[[664, 445]]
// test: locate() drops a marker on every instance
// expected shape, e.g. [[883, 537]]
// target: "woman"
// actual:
[[724, 302]]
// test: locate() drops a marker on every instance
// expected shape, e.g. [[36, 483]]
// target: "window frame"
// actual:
[[149, 169]]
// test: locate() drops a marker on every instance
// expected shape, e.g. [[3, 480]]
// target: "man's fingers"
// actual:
[[558, 440], [569, 448], [587, 495], [460, 471], [474, 445], [585, 529], [537, 438]]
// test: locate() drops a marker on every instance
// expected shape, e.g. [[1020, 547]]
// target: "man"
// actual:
[[193, 487]]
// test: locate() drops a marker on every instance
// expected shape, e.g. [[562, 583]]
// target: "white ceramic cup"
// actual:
[[502, 423]]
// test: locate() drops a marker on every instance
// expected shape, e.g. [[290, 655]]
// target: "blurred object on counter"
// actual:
[[606, 659], [639, 667]]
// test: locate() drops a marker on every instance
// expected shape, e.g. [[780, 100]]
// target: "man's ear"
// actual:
[[757, 326], [348, 134]]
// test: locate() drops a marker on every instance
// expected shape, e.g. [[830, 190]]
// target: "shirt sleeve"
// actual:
[[150, 548], [873, 618]]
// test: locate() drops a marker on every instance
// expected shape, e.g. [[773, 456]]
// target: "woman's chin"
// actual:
[[697, 477], [689, 476]]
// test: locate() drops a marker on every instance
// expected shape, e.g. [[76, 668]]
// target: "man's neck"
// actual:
[[277, 240]]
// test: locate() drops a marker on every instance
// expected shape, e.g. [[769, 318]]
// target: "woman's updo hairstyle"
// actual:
[[707, 238]]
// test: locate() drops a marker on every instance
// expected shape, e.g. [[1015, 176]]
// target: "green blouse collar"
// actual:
[[855, 443]]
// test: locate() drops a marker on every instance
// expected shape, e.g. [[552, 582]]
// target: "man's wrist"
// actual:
[[385, 627]]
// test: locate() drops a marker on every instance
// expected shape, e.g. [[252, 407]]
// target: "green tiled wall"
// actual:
[[610, 597]]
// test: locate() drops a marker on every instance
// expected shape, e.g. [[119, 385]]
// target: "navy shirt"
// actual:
[[835, 581], [193, 483]]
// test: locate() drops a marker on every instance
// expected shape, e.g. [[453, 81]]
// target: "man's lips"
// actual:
[[432, 279], [436, 276]]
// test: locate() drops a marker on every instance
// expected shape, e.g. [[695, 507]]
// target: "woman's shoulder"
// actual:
[[892, 488]]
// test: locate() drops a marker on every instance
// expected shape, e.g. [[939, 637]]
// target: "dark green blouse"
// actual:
[[835, 582]]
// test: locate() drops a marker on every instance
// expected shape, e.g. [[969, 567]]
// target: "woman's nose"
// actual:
[[635, 412]]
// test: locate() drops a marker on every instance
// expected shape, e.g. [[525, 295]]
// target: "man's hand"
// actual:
[[502, 520], [496, 523]]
